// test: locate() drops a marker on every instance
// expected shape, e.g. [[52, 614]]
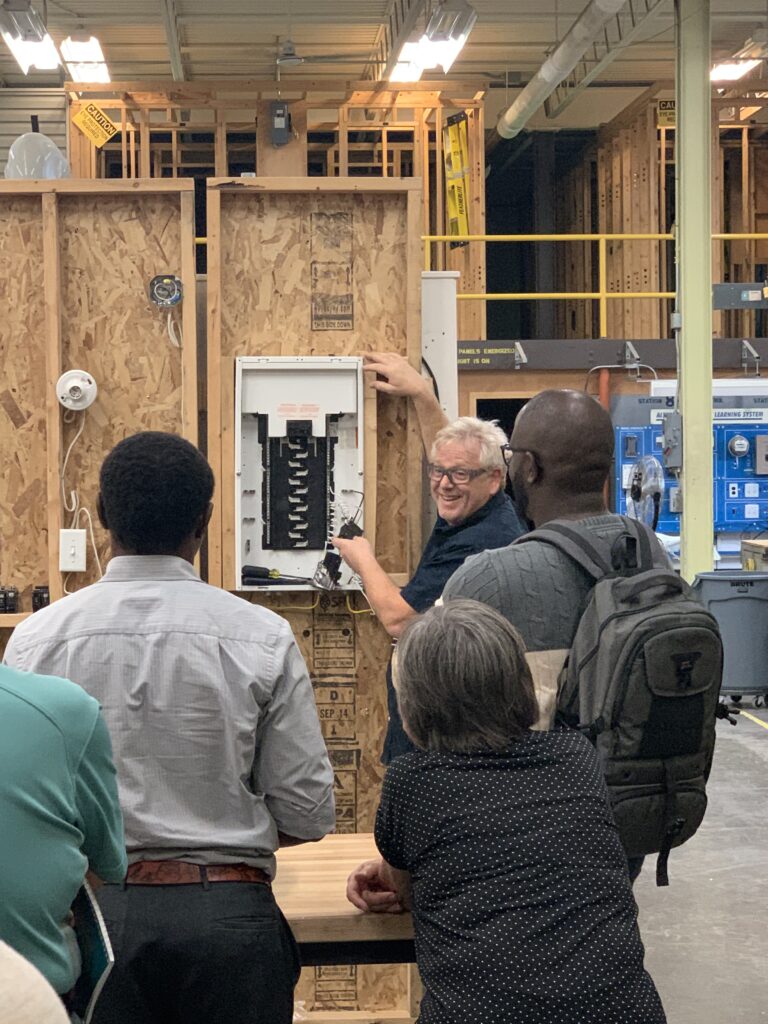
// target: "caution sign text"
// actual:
[[95, 124]]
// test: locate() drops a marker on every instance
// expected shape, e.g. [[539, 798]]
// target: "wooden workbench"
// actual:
[[311, 889]]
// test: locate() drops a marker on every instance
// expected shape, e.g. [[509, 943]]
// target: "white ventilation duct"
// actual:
[[558, 65]]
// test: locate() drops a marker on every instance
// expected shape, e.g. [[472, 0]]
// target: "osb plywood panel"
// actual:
[[23, 525], [324, 274], [111, 247], [349, 987], [310, 274], [346, 654]]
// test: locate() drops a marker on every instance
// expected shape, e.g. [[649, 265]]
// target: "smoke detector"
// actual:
[[76, 390]]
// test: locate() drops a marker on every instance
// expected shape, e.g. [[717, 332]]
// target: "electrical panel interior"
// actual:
[[299, 465]]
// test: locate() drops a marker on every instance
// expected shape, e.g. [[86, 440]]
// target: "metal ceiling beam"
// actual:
[[168, 12], [619, 33]]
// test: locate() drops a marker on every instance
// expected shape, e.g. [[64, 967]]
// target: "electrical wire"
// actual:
[[176, 338], [428, 368], [174, 332], [73, 505], [74, 502], [619, 366], [85, 512], [360, 611]]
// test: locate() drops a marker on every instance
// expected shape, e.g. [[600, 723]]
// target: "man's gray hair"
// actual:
[[462, 679], [488, 435]]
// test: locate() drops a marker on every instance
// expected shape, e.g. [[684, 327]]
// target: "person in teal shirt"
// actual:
[[59, 815]]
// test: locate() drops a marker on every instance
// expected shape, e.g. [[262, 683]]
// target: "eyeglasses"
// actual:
[[507, 451], [456, 474]]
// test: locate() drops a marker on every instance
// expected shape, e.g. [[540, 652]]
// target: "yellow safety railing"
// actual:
[[602, 295]]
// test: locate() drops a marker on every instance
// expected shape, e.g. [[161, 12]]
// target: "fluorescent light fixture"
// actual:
[[26, 37], [732, 70], [85, 58], [448, 30], [744, 60], [406, 71], [445, 35], [411, 62]]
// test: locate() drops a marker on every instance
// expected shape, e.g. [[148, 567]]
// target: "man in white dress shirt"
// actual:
[[218, 749]]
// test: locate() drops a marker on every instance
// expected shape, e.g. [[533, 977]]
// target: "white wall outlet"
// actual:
[[72, 550]]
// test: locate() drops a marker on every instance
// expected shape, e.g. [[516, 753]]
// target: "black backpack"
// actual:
[[642, 681]]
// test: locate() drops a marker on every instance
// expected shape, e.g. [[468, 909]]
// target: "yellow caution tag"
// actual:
[[95, 125], [666, 114]]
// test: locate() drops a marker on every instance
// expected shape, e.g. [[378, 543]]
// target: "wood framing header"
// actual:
[[87, 186], [345, 185]]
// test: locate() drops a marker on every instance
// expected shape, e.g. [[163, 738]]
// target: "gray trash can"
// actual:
[[739, 602]]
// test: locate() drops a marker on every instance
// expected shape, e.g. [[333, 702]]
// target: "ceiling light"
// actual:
[[732, 70], [411, 62], [26, 37], [448, 30], [82, 49], [744, 60], [85, 58], [445, 35]]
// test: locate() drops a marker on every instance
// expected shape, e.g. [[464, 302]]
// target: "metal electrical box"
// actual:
[[298, 463]]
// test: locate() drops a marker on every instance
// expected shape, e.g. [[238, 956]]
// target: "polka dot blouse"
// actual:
[[523, 909]]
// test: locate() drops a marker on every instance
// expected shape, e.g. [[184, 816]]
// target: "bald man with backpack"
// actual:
[[617, 644]]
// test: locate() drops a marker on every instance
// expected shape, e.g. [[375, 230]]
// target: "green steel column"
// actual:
[[694, 263]]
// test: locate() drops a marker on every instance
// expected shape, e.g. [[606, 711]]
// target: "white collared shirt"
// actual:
[[210, 708]]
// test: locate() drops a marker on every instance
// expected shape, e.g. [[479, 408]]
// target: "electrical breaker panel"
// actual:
[[299, 465], [739, 453]]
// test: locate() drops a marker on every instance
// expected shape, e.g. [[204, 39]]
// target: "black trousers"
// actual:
[[213, 953]]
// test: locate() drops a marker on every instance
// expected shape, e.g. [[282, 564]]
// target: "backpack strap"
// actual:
[[580, 549], [574, 544]]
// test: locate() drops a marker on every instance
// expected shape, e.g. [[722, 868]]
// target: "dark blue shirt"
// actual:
[[494, 525]]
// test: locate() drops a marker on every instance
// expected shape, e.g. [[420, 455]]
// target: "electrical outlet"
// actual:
[[72, 550]]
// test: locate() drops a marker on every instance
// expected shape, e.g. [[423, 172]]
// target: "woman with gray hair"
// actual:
[[502, 842]]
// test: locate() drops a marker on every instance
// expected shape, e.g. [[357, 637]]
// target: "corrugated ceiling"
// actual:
[[225, 38]]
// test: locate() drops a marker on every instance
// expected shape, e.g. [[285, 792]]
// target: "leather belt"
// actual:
[[180, 872]]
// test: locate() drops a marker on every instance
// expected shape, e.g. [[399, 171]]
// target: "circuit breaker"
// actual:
[[299, 465]]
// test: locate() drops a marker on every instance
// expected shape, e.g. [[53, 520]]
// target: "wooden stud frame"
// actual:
[[221, 443], [418, 107], [52, 194]]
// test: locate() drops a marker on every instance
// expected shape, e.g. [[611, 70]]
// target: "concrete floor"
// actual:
[[706, 936]]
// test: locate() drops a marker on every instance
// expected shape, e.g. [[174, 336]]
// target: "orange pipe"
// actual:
[[604, 389]]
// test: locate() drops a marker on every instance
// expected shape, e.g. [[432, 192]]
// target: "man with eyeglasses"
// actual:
[[558, 458], [466, 478]]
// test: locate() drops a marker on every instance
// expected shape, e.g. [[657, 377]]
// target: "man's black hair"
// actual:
[[155, 488]]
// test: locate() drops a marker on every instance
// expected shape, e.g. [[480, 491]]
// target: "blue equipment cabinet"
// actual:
[[631, 443], [739, 462], [741, 483]]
